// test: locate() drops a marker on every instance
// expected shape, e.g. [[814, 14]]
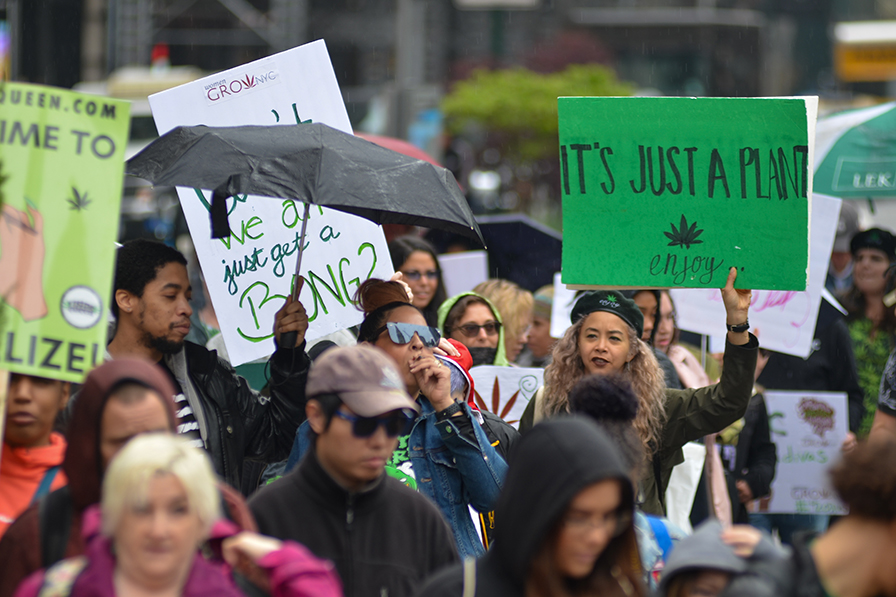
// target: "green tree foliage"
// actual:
[[521, 105]]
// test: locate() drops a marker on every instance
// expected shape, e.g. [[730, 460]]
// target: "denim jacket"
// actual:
[[451, 470]]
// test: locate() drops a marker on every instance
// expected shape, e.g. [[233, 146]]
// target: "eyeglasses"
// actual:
[[402, 333], [471, 330], [615, 522], [395, 423], [414, 275]]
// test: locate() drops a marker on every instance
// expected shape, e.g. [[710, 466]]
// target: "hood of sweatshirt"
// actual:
[[549, 465], [500, 355], [32, 462], [702, 550], [83, 463]]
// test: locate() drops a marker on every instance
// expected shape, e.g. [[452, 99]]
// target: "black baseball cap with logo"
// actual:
[[609, 301]]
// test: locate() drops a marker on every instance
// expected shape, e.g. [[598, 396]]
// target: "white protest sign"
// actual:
[[561, 307], [250, 273], [807, 428], [784, 321], [461, 272], [506, 391]]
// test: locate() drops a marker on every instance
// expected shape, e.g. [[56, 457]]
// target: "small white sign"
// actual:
[[561, 307], [808, 429], [250, 273], [506, 391], [461, 272]]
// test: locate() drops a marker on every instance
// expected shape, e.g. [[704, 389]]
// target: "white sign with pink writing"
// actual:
[[784, 321]]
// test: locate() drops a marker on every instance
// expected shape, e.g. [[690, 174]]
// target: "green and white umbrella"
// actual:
[[855, 154]]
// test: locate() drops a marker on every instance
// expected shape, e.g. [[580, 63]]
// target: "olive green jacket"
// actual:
[[693, 413], [690, 415]]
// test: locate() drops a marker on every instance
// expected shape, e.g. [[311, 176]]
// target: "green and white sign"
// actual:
[[62, 154], [672, 192]]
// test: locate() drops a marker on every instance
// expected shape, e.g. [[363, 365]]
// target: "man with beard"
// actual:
[[216, 408]]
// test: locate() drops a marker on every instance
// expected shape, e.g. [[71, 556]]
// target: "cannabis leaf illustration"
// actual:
[[80, 202], [611, 298], [684, 236]]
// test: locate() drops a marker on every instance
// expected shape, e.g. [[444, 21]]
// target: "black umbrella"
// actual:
[[312, 163], [521, 249]]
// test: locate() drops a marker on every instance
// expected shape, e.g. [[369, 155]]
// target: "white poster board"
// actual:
[[461, 272], [506, 391], [784, 321], [808, 429], [561, 307], [250, 273]]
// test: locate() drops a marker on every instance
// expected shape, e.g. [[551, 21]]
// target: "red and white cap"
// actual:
[[461, 363]]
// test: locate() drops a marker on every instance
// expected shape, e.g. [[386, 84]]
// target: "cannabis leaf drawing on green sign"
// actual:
[[80, 202], [684, 236]]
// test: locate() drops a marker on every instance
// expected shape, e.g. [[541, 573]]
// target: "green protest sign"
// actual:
[[62, 154], [672, 192]]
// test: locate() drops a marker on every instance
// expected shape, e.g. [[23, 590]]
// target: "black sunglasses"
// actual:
[[471, 330], [402, 333], [413, 275], [395, 423]]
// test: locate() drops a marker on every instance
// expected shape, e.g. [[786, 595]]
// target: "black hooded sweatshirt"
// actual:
[[552, 463]]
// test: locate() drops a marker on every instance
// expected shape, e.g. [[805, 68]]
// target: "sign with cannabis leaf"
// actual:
[[63, 153], [672, 192], [506, 391]]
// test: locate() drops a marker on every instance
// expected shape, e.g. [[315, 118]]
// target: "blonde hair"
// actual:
[[642, 371], [515, 305], [127, 478]]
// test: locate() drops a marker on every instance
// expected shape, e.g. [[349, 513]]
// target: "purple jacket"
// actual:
[[292, 570]]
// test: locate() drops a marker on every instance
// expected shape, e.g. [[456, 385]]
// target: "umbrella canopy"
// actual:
[[521, 249], [399, 145], [855, 153], [312, 163]]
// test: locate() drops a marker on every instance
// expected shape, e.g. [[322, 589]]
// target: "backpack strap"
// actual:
[[61, 576], [469, 577], [55, 512], [661, 534], [45, 483]]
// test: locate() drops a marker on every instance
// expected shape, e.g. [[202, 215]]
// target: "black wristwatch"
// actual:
[[449, 412], [739, 328]]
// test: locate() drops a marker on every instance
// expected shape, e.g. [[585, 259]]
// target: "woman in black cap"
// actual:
[[872, 324], [605, 338]]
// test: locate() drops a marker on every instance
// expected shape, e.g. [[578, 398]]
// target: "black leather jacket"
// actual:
[[242, 424]]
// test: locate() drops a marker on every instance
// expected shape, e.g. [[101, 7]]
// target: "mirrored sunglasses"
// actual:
[[394, 424], [414, 275], [402, 333], [471, 330]]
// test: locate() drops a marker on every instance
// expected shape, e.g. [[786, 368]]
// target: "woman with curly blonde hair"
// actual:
[[605, 338]]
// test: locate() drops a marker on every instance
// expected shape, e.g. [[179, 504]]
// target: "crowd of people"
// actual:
[[365, 465]]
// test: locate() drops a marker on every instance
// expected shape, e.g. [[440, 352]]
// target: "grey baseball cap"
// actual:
[[363, 377]]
